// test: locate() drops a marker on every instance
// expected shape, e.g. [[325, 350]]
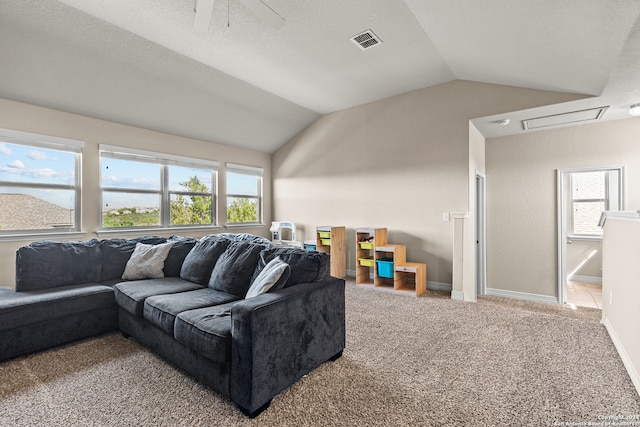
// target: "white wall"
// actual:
[[396, 163], [29, 118], [620, 290], [521, 196]]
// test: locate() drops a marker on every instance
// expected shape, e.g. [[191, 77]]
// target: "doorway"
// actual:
[[480, 234], [583, 194]]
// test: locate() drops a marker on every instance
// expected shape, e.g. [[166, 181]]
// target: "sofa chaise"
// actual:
[[243, 317]]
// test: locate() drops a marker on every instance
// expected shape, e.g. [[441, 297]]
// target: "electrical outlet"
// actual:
[[445, 217]]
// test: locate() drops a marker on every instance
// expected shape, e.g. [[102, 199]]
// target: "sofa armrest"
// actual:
[[279, 337]]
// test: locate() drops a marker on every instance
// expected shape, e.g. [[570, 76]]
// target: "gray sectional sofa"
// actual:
[[186, 300]]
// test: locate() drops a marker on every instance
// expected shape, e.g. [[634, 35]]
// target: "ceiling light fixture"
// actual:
[[634, 110]]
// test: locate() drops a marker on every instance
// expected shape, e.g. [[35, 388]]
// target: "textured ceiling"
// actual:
[[246, 84]]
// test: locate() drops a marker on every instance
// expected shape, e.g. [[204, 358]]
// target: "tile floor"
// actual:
[[584, 294]]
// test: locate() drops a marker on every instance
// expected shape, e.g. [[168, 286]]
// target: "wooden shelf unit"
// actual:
[[410, 276], [365, 261], [331, 241]]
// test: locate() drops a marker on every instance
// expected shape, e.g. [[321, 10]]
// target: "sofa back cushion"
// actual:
[[202, 258], [179, 251], [242, 237], [116, 253], [306, 266], [235, 267], [50, 264]]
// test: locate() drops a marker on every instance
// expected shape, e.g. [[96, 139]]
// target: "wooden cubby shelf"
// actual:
[[384, 264], [331, 241], [366, 241]]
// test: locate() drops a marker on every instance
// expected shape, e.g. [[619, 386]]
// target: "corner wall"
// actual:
[[30, 118], [620, 290], [397, 163]]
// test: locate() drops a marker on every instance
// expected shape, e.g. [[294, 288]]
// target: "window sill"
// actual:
[[149, 231], [251, 225], [584, 238], [32, 237]]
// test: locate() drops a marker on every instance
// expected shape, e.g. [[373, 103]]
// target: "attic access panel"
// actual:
[[564, 118]]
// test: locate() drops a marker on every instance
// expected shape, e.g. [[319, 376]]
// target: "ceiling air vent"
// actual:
[[564, 118], [366, 39]]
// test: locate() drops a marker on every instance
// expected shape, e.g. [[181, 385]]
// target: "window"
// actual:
[[39, 183], [593, 192], [144, 189], [244, 194]]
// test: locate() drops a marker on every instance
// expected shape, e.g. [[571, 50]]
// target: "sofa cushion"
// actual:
[[306, 266], [272, 277], [49, 264], [202, 258], [206, 331], [131, 295], [234, 269], [116, 253], [146, 262], [179, 250], [18, 309], [161, 310], [243, 237]]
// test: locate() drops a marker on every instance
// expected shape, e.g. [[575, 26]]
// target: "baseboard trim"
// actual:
[[439, 286], [457, 295], [632, 370], [586, 279], [434, 286], [522, 295]]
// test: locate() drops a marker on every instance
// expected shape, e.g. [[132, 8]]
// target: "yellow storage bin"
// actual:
[[324, 234], [366, 245], [366, 262], [326, 242]]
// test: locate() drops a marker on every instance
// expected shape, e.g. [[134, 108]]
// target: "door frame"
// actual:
[[561, 211], [481, 233]]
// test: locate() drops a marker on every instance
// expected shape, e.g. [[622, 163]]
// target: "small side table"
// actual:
[[411, 270]]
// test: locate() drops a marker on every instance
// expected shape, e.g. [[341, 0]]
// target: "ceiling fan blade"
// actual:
[[264, 12], [204, 13]]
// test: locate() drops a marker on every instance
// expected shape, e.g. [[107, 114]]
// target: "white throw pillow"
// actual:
[[146, 262], [272, 273]]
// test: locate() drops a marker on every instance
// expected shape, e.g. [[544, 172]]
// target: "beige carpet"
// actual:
[[426, 361]]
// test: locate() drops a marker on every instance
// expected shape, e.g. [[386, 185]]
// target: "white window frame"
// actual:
[[53, 143], [618, 195], [165, 161], [246, 170]]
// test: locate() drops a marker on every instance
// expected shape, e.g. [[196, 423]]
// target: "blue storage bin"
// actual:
[[310, 247], [385, 267]]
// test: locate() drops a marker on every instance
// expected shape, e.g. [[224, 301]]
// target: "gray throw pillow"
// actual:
[[146, 262], [306, 266], [276, 272]]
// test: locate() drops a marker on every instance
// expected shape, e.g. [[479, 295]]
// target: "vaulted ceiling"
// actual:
[[246, 83]]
